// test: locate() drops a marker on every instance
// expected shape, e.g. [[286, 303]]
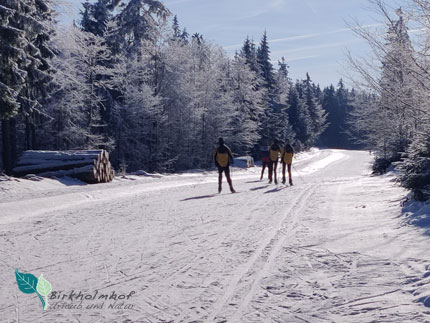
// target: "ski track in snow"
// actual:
[[332, 248]]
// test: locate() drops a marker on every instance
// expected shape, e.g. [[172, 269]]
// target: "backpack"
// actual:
[[287, 158], [222, 158], [274, 152]]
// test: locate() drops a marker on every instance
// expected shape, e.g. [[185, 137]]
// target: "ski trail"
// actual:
[[203, 255], [278, 245], [242, 270], [17, 211]]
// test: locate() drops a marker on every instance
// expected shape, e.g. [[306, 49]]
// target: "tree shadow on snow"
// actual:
[[250, 182], [199, 197]]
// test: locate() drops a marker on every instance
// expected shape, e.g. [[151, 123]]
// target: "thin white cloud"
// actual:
[[322, 46], [416, 31], [299, 58], [307, 36], [276, 4], [175, 2], [298, 37], [311, 7]]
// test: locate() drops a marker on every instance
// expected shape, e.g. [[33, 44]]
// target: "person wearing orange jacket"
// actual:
[[287, 160], [223, 157], [275, 151]]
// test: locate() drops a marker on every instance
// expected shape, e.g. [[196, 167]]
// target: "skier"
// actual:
[[223, 157], [274, 152], [265, 159], [287, 160]]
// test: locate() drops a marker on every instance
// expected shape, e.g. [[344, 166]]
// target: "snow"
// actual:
[[335, 247]]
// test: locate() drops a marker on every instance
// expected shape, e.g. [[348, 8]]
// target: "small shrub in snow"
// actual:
[[416, 167]]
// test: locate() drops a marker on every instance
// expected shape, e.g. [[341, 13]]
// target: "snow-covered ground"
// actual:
[[333, 248]]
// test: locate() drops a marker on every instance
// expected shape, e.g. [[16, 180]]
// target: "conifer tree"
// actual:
[[138, 21], [176, 29], [397, 90], [95, 16], [298, 114], [264, 63], [316, 112], [249, 52], [25, 33]]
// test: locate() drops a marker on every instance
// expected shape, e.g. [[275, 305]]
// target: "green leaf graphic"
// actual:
[[26, 282], [43, 286]]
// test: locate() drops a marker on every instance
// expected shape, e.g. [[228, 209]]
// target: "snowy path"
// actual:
[[332, 248]]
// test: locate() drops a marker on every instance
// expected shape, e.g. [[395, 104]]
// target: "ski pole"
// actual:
[[298, 174]]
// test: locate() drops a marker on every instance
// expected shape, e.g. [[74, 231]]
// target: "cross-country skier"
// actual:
[[223, 157], [275, 151], [287, 160], [265, 159]]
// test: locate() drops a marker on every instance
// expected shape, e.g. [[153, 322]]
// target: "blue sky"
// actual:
[[312, 35]]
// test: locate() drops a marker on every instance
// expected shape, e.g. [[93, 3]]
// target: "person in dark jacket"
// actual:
[[223, 157], [287, 160]]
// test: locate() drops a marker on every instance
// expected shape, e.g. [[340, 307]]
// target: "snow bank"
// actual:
[[418, 214], [11, 186]]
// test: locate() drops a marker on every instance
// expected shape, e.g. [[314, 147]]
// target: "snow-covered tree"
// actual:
[[249, 52], [25, 33], [264, 63], [416, 166], [317, 114], [400, 87], [77, 103], [298, 115], [96, 16], [248, 104], [138, 20]]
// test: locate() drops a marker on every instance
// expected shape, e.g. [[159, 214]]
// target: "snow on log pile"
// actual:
[[90, 166]]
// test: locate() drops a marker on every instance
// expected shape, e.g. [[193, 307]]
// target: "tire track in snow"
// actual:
[[244, 269]]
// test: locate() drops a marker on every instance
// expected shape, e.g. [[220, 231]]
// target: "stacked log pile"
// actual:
[[90, 166]]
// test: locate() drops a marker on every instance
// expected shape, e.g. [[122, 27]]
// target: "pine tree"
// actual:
[[176, 29], [12, 78], [185, 35], [264, 63], [78, 100], [24, 35], [270, 121], [397, 90], [316, 112], [298, 115], [415, 167], [247, 100], [138, 21], [281, 123], [331, 137], [95, 16], [249, 52], [39, 72]]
